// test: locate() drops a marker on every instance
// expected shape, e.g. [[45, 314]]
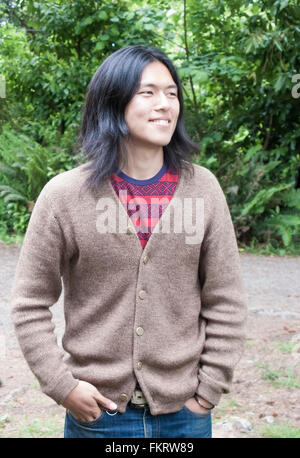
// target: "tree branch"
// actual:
[[268, 137], [188, 55]]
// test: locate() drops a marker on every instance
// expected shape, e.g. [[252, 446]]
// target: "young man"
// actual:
[[143, 240]]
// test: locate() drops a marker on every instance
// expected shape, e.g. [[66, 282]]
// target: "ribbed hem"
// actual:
[[62, 388], [208, 393]]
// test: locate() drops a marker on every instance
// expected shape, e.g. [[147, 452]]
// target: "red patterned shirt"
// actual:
[[145, 200]]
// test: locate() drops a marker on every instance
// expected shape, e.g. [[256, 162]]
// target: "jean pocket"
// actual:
[[86, 423], [196, 414]]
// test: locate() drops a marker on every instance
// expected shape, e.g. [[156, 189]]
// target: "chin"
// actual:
[[162, 141]]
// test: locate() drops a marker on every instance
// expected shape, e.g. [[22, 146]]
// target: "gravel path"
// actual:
[[272, 286]]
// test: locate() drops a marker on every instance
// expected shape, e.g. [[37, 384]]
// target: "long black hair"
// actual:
[[103, 127]]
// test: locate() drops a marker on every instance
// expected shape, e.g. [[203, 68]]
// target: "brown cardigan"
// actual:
[[171, 316]]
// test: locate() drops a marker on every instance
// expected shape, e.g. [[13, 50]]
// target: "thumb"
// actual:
[[105, 402]]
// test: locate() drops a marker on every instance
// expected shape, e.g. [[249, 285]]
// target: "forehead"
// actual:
[[156, 73]]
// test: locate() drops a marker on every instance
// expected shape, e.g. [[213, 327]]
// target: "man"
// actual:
[[144, 242]]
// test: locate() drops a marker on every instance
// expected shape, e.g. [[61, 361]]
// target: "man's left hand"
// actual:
[[193, 405]]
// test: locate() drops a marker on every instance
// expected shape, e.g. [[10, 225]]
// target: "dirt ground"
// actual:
[[264, 401]]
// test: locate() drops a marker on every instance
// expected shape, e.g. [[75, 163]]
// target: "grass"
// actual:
[[284, 430], [224, 409], [4, 419], [36, 385], [285, 347], [11, 239], [279, 377], [40, 427]]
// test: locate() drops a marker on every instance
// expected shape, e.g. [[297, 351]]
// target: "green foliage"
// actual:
[[25, 167], [280, 377], [284, 431], [236, 60]]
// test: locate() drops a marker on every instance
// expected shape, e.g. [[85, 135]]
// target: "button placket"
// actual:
[[142, 294], [139, 331], [129, 230]]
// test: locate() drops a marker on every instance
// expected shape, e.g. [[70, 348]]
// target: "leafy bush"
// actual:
[[236, 59], [25, 167]]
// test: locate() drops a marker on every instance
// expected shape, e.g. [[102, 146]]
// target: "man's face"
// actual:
[[152, 113]]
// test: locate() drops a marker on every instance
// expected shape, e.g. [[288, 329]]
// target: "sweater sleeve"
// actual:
[[37, 286], [223, 303]]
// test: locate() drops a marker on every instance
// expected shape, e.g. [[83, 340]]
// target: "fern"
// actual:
[[10, 194], [292, 199], [24, 166], [262, 197]]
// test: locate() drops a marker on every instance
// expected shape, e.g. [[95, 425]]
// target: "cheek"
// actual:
[[134, 112], [177, 109]]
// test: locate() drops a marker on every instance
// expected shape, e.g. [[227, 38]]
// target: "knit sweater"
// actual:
[[171, 316]]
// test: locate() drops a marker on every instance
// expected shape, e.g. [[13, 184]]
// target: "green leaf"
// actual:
[[283, 4], [200, 76], [99, 46], [251, 152], [87, 21], [102, 15], [278, 45], [280, 82], [104, 37], [149, 27]]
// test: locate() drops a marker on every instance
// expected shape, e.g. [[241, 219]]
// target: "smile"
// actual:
[[161, 122]]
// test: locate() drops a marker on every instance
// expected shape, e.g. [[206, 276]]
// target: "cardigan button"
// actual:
[[129, 230], [146, 259], [139, 365], [123, 397], [142, 294], [139, 331]]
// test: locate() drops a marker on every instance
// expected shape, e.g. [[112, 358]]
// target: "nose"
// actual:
[[162, 102]]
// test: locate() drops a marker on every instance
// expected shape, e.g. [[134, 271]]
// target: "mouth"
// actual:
[[160, 121]]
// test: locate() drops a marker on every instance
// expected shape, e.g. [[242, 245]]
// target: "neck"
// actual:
[[142, 164]]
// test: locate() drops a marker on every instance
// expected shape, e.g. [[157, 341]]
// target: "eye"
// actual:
[[173, 94], [146, 92]]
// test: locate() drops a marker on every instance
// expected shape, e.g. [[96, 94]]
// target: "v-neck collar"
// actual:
[[176, 194]]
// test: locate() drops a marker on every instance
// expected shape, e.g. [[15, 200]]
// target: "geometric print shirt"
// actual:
[[145, 200]]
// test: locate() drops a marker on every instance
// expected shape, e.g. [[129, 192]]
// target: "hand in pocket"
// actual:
[[83, 402]]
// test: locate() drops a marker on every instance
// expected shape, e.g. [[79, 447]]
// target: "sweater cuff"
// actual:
[[62, 388], [208, 393]]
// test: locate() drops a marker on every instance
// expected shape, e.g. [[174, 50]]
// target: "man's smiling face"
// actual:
[[152, 113]]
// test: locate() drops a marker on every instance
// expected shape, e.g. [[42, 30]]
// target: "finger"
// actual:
[[105, 402]]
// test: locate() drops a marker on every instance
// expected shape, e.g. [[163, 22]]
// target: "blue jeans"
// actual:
[[141, 423]]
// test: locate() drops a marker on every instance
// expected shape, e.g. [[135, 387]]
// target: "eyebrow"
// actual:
[[170, 86]]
